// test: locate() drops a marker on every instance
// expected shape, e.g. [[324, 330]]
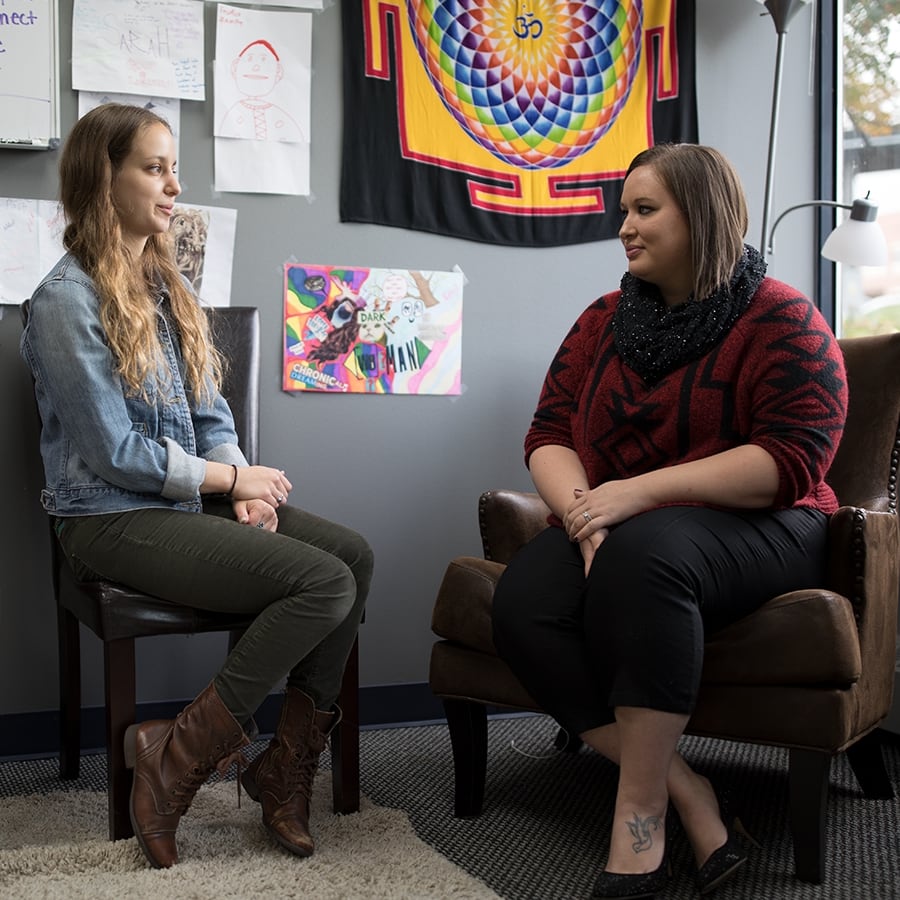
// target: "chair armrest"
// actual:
[[827, 651], [864, 566], [864, 559], [462, 610], [509, 520]]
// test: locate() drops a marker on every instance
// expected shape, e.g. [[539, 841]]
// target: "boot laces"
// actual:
[[234, 757], [302, 765], [187, 786]]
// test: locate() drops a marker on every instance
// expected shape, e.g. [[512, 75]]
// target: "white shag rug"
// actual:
[[54, 846]]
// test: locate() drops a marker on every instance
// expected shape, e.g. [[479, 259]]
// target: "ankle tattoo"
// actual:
[[642, 831]]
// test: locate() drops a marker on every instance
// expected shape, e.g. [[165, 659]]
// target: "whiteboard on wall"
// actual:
[[29, 89]]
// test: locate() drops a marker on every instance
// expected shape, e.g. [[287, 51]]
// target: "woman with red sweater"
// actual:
[[681, 441]]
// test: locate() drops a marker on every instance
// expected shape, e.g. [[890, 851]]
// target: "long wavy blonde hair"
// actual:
[[90, 162]]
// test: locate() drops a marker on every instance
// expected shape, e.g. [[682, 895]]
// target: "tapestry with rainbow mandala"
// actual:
[[505, 121]]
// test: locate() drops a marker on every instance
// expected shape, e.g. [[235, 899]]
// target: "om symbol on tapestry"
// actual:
[[537, 83]]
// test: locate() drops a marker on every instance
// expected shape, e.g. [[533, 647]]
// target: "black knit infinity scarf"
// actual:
[[654, 339]]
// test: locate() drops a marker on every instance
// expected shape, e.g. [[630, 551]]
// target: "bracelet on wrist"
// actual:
[[233, 480]]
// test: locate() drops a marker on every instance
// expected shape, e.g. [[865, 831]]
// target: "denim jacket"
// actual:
[[104, 449]]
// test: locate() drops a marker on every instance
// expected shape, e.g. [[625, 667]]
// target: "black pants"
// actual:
[[632, 633]]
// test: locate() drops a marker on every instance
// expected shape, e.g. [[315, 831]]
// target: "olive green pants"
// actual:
[[306, 585]]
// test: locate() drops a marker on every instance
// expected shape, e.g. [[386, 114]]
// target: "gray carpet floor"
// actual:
[[545, 826], [544, 829]]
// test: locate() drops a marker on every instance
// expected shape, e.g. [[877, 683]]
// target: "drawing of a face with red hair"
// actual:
[[257, 69]]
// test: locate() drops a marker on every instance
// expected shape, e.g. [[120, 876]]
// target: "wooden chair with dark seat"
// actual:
[[119, 615], [811, 671]]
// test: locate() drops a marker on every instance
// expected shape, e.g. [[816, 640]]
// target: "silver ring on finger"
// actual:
[[280, 498], [587, 516]]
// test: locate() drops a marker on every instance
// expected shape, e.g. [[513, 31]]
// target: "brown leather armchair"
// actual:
[[812, 670]]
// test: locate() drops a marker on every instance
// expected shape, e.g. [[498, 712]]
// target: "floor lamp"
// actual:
[[859, 241]]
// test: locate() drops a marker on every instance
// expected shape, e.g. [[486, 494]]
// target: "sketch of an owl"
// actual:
[[189, 229]]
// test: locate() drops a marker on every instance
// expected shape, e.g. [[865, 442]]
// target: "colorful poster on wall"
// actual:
[[352, 330], [509, 123]]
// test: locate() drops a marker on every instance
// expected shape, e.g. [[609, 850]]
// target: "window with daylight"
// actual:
[[867, 122]]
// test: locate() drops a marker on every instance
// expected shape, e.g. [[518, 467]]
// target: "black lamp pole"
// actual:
[[782, 11]]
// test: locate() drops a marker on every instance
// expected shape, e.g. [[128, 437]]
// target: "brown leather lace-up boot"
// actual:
[[171, 759], [281, 777]]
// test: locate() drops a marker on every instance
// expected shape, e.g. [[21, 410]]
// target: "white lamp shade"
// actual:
[[857, 244]]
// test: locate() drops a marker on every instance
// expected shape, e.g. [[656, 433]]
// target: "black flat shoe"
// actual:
[[615, 886], [721, 865], [640, 886], [724, 862]]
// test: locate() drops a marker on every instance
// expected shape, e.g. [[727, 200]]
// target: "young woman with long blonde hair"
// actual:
[[147, 486]]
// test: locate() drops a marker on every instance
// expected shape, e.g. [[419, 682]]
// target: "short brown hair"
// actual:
[[709, 193]]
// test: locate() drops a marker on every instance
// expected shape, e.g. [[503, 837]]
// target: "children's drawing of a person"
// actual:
[[256, 71]]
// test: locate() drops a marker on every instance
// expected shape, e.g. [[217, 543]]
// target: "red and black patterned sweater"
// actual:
[[776, 379]]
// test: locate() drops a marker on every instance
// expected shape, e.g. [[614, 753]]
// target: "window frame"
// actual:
[[828, 147]]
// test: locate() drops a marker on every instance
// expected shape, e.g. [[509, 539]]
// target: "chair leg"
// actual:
[[69, 693], [467, 722], [867, 762], [808, 772], [118, 660], [345, 741]]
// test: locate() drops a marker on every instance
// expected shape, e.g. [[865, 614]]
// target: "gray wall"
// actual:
[[405, 471]]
